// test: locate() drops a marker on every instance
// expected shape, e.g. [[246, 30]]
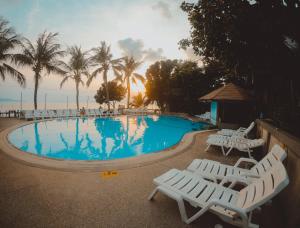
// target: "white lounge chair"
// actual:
[[217, 171], [116, 112], [98, 112], [234, 207], [38, 114], [205, 116], [240, 132], [234, 142], [27, 114], [52, 114]]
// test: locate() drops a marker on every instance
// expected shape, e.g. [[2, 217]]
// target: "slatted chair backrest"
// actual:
[[264, 188], [277, 154]]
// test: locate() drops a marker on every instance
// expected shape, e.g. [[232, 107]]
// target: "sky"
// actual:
[[148, 30]]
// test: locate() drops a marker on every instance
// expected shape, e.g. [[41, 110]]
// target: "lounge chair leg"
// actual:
[[249, 153], [228, 151], [153, 193], [208, 146]]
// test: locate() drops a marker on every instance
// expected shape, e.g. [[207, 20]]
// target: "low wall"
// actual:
[[289, 199]]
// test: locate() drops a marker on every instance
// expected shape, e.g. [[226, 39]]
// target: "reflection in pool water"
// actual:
[[101, 138]]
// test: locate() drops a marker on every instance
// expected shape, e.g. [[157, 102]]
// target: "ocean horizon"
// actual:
[[5, 106]]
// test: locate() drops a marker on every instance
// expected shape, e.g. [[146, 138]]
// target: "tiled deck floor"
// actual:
[[35, 197]]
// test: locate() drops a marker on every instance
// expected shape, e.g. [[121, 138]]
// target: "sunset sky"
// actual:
[[147, 29]]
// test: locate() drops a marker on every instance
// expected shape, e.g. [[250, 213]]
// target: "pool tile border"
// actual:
[[93, 166]]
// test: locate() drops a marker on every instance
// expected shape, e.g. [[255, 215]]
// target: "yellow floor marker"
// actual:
[[109, 174]]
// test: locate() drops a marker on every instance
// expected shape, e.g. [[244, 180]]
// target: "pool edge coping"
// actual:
[[91, 166]]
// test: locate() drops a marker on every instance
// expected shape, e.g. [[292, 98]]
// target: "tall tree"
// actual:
[[77, 66], [43, 55], [104, 60], [116, 93], [8, 41], [158, 88], [129, 67]]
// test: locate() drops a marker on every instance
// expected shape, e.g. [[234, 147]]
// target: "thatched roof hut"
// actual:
[[230, 105], [228, 92]]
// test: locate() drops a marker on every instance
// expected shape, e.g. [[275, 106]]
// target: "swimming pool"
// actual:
[[101, 138]]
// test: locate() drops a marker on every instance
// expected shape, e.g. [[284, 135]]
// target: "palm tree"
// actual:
[[128, 68], [138, 100], [41, 56], [8, 41], [77, 65], [103, 59]]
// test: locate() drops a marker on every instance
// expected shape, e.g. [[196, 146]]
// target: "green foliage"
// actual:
[[103, 58], [176, 85], [258, 46], [158, 83], [138, 100], [43, 55], [116, 92], [77, 66], [128, 75], [8, 41]]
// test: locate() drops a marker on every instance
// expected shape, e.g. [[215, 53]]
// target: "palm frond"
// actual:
[[15, 74], [133, 80], [53, 68], [21, 60], [65, 79], [139, 77], [93, 75]]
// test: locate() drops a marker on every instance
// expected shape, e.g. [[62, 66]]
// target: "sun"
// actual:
[[137, 87]]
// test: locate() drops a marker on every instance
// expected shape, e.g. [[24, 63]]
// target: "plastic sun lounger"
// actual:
[[234, 207], [28, 114], [217, 171], [59, 113], [240, 132], [37, 114], [234, 142], [52, 114]]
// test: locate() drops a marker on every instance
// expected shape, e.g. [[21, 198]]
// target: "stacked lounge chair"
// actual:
[[243, 132], [217, 171], [227, 144], [229, 139], [232, 206]]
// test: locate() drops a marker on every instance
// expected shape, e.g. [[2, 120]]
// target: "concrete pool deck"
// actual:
[[39, 197]]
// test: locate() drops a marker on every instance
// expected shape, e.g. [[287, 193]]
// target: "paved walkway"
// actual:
[[36, 197]]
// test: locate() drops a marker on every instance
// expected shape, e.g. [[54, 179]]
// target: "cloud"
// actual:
[[191, 56], [135, 48], [153, 55], [130, 47], [163, 8]]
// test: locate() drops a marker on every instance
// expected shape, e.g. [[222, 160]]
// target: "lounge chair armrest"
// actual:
[[233, 180], [249, 160]]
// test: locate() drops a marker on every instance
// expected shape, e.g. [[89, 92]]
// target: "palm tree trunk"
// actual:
[[128, 91], [36, 84], [77, 95], [106, 88]]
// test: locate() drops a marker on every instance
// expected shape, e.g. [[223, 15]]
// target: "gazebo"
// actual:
[[230, 105]]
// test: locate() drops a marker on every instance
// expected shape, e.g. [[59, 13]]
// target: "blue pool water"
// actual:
[[101, 138]]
